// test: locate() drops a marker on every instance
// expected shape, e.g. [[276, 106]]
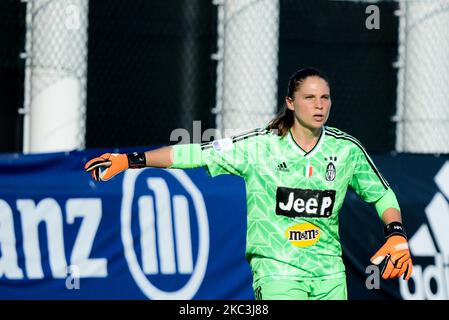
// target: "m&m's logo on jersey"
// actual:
[[303, 235]]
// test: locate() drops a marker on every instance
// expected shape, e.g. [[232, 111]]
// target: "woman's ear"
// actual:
[[289, 103]]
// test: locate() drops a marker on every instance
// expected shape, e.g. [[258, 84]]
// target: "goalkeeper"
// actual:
[[297, 171]]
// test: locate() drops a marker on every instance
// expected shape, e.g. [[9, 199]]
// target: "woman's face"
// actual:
[[311, 103]]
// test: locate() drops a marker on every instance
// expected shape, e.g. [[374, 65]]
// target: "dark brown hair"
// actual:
[[285, 119]]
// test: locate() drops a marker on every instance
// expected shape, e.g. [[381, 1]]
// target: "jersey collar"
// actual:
[[296, 146]]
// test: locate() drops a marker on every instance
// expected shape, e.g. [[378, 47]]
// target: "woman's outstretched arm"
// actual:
[[107, 165]]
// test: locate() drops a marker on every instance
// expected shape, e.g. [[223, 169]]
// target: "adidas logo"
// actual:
[[431, 281], [282, 167]]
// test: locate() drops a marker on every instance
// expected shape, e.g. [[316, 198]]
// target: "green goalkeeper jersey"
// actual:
[[293, 196]]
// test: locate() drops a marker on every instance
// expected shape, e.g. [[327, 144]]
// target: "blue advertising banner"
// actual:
[[151, 233], [180, 234]]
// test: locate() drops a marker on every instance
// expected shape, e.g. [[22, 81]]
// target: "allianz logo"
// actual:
[[422, 245], [157, 213]]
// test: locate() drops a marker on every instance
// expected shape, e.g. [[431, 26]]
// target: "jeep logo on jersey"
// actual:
[[167, 223], [309, 203], [303, 235]]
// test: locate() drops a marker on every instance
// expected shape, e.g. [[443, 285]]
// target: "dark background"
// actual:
[[12, 43], [150, 68]]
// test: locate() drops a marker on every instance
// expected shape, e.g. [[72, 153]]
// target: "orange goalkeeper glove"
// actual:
[[395, 252], [108, 165]]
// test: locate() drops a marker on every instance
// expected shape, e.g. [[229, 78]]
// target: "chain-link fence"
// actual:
[[247, 64], [423, 88], [55, 79], [154, 67], [150, 71]]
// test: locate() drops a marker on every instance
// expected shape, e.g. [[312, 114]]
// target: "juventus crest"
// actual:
[[330, 169]]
